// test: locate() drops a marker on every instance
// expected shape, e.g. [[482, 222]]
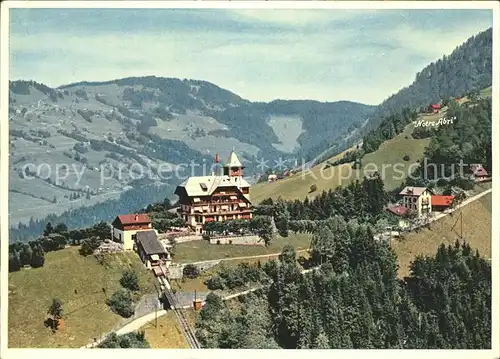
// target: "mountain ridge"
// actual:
[[153, 119], [163, 121]]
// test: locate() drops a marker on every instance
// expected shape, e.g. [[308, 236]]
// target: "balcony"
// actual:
[[227, 212], [207, 208]]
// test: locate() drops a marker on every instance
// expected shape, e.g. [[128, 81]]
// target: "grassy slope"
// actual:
[[198, 284], [168, 333], [85, 314], [389, 153], [485, 92], [476, 218]]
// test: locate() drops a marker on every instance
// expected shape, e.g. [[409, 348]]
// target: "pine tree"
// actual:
[[37, 257], [48, 229], [281, 217], [14, 261], [56, 311], [321, 341], [25, 255]]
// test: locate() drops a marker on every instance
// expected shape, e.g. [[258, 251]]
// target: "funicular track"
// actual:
[[176, 307]]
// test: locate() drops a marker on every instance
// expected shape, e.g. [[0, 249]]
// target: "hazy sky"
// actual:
[[326, 55]]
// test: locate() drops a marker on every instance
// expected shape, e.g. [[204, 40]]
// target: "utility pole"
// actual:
[[461, 227]]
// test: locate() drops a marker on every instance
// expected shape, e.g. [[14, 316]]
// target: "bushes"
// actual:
[[130, 340], [422, 132], [313, 188], [259, 225], [191, 271], [442, 182], [130, 280], [231, 278], [82, 94], [121, 303], [86, 114], [23, 254], [406, 158], [89, 246], [164, 224], [463, 183], [215, 283]]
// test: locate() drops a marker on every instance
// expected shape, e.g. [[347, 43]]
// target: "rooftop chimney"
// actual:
[[136, 217]]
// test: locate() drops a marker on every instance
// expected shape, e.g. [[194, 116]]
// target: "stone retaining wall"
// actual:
[[238, 240]]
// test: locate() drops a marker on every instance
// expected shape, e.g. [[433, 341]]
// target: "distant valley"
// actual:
[[79, 130], [161, 123]]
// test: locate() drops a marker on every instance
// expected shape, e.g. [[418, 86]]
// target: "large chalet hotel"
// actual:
[[219, 197]]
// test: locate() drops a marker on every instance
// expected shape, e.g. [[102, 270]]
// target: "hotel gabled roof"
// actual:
[[193, 185], [233, 161]]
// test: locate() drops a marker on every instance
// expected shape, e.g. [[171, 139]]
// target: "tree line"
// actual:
[[389, 128], [136, 340], [356, 300], [261, 226], [143, 194], [55, 238], [362, 200]]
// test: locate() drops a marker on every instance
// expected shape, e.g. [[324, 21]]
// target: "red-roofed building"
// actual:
[[479, 172], [398, 210], [125, 227], [440, 203], [434, 108], [417, 199]]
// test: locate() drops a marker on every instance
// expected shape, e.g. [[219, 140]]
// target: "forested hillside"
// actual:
[[158, 123], [467, 68], [247, 121], [356, 301], [468, 140]]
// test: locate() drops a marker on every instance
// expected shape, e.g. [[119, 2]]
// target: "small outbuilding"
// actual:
[[150, 249], [479, 172], [441, 203], [272, 178], [434, 108]]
